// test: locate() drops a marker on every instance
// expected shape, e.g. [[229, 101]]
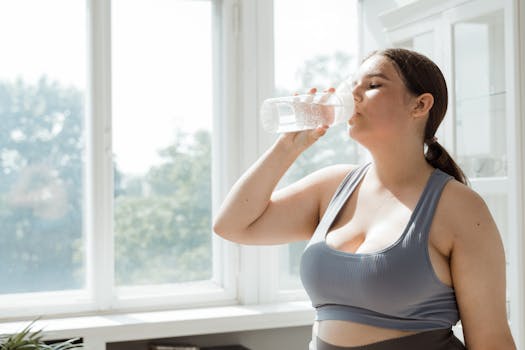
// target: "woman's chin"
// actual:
[[353, 119]]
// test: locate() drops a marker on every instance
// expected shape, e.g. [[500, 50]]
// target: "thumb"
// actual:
[[318, 132]]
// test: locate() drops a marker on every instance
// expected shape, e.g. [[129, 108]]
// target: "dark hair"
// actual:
[[421, 75]]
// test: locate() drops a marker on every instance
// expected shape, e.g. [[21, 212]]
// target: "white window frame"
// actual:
[[100, 294], [258, 49], [221, 289], [243, 78]]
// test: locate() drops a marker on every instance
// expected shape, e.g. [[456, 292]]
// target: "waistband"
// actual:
[[440, 339]]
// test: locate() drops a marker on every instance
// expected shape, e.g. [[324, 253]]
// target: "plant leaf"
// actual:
[[28, 340]]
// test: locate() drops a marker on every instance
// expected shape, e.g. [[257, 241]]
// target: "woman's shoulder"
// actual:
[[457, 195], [332, 175], [463, 210], [326, 181], [323, 182]]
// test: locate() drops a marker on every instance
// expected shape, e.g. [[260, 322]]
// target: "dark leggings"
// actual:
[[441, 339]]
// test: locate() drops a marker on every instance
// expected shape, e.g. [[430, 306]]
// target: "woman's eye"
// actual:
[[373, 86]]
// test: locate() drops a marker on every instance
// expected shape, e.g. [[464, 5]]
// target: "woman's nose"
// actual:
[[357, 93]]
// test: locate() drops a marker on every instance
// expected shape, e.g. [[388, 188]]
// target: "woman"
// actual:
[[400, 249]]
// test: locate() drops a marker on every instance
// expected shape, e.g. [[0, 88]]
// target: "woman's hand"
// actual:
[[326, 112], [254, 213], [303, 139]]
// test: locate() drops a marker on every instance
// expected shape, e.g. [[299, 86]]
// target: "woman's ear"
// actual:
[[422, 105]]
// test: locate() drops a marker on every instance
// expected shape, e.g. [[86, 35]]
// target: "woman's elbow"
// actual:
[[218, 228], [224, 230]]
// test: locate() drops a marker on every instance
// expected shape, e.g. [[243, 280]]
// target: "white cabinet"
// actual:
[[476, 45]]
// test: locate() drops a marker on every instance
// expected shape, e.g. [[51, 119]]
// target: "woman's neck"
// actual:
[[400, 166]]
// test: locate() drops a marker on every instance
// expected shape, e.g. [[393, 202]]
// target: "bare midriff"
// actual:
[[346, 333]]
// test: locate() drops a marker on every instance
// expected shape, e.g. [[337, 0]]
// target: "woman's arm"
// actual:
[[478, 272], [253, 214]]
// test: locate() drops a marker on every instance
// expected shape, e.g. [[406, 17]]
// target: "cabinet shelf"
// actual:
[[481, 97]]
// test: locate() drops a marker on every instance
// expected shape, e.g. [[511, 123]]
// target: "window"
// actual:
[[42, 92], [162, 117], [122, 125], [157, 104], [314, 47]]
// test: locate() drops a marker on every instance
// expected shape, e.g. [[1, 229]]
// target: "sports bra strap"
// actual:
[[345, 189]]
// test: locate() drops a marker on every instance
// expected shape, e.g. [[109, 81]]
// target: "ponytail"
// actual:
[[438, 157], [421, 75]]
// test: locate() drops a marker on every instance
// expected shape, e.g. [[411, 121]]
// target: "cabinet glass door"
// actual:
[[479, 69], [480, 116], [469, 42]]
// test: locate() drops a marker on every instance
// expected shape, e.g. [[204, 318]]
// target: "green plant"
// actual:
[[29, 340]]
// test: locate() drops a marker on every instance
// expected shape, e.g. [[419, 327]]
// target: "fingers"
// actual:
[[326, 111], [311, 95], [321, 130], [328, 92], [302, 105], [318, 132], [312, 92], [309, 108], [308, 137]]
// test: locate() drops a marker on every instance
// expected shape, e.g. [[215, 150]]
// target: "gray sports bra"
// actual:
[[395, 287]]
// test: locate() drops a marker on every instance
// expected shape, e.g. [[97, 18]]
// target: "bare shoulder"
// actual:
[[465, 213], [329, 180], [326, 177], [332, 174], [477, 260], [321, 183], [456, 194]]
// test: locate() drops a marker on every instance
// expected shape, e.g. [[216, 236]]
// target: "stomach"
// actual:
[[347, 333]]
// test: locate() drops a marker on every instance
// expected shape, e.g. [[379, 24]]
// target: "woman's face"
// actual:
[[382, 104]]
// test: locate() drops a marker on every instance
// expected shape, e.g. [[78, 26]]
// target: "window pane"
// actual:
[[162, 116], [42, 84], [315, 46], [480, 96]]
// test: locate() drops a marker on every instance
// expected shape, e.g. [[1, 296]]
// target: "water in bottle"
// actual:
[[308, 111]]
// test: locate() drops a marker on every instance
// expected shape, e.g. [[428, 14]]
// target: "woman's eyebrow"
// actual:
[[378, 75], [372, 75]]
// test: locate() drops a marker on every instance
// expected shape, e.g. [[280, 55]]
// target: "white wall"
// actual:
[[372, 35]]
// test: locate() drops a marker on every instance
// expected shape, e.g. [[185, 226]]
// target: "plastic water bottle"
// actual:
[[308, 111]]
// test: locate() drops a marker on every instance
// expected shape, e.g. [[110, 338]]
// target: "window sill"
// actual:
[[99, 330]]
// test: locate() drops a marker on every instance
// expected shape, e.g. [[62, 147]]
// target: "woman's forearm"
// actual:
[[251, 194]]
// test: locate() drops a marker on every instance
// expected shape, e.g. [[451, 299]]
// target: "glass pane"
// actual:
[[162, 117], [42, 86], [479, 66], [314, 47]]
